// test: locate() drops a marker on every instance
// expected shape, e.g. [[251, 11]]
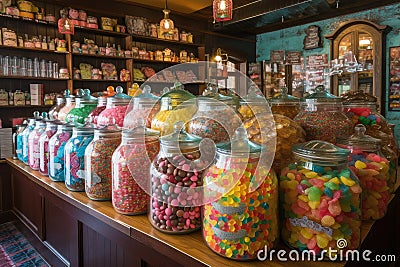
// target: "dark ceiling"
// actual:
[[258, 16]]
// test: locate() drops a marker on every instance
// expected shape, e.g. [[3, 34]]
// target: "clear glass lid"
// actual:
[[359, 140], [284, 98], [320, 151], [240, 145]]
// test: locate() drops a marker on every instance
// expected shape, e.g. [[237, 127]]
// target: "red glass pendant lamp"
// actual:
[[222, 10]]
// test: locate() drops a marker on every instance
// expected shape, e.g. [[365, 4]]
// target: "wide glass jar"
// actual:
[[130, 169], [285, 104], [372, 169], [84, 105], [101, 105], [18, 140], [168, 115], [215, 119], [69, 105], [56, 152], [50, 130], [75, 158], [176, 180], [53, 112], [144, 106], [33, 144], [322, 117], [320, 199], [98, 161], [114, 113], [240, 215]]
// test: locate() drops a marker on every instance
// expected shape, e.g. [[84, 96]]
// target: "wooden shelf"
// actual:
[[154, 61], [100, 56], [39, 22], [31, 78], [102, 32], [32, 49], [101, 81], [154, 40], [26, 106]]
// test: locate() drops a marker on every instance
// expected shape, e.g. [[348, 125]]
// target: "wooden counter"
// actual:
[[82, 232]]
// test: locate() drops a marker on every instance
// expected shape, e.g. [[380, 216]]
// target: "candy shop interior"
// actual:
[[199, 133]]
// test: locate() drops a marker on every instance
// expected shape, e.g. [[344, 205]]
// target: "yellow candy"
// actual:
[[347, 181], [334, 180], [304, 171], [306, 233], [337, 234], [327, 220], [291, 176], [322, 242], [303, 198], [360, 165], [313, 204], [311, 174]]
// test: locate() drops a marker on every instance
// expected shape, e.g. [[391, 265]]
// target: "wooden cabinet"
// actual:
[[362, 42]]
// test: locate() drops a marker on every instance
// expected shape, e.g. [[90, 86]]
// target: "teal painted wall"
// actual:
[[291, 39]]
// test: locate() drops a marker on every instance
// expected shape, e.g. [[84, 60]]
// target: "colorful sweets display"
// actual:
[[241, 222], [175, 204], [33, 145], [69, 105], [98, 161], [285, 104], [19, 146], [130, 163], [25, 138], [320, 204], [74, 158], [84, 105], [50, 130], [56, 152], [114, 113], [94, 114]]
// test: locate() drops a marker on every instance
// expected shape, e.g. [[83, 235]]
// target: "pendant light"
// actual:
[[166, 24], [222, 10]]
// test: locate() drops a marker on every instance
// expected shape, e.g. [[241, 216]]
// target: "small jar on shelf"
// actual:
[[74, 158], [98, 161]]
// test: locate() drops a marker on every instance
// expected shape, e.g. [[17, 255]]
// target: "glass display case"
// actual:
[[356, 54]]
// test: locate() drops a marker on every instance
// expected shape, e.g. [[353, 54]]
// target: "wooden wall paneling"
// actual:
[[5, 187]]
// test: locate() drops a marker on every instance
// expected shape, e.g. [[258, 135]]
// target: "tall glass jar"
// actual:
[[33, 144], [144, 106], [285, 104], [240, 216], [101, 105], [98, 160], [216, 118], [56, 152], [372, 169], [75, 158], [320, 199], [176, 179], [50, 130], [69, 105], [322, 117], [114, 113], [18, 140], [53, 112], [130, 169], [84, 105], [25, 136]]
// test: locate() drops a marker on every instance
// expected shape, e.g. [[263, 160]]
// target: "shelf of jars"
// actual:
[[25, 106], [100, 56], [101, 32], [98, 80], [32, 78], [29, 20], [136, 60], [33, 49], [155, 40]]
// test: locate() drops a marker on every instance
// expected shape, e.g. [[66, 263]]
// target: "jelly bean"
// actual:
[[360, 165]]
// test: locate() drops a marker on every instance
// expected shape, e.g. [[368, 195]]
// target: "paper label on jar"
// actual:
[[305, 222], [229, 235]]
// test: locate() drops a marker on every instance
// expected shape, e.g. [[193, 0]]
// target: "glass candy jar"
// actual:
[[322, 117], [101, 105], [215, 119], [84, 105], [285, 104], [98, 160], [114, 113], [372, 169], [75, 158], [18, 140], [130, 169], [69, 105], [176, 180], [320, 199], [240, 216], [53, 112], [25, 136], [144, 106], [49, 131], [33, 144], [56, 152]]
